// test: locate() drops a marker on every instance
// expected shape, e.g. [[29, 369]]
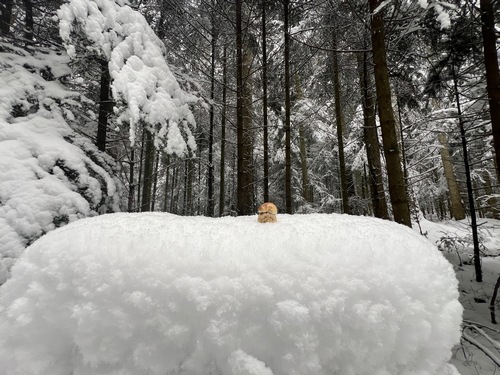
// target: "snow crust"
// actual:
[[160, 294]]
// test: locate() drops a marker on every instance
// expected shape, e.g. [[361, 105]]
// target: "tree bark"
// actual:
[[210, 179], [339, 119], [370, 136], [288, 141], [492, 73], [6, 16], [148, 172], [397, 188], [245, 195], [264, 104], [222, 195], [457, 209], [105, 105], [29, 23]]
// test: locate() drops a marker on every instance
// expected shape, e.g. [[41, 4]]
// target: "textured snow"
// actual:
[[49, 175], [142, 83], [162, 294]]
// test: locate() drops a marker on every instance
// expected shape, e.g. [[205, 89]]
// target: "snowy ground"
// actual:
[[162, 294], [475, 297]]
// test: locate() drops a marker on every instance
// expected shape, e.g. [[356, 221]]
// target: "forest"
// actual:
[[207, 108], [316, 106]]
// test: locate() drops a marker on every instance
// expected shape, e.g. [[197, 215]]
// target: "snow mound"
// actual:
[[162, 294]]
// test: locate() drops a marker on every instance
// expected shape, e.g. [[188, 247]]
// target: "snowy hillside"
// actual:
[[162, 294]]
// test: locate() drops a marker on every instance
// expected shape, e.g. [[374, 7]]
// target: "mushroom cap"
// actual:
[[268, 207]]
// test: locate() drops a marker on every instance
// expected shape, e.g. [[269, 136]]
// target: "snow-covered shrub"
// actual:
[[49, 175], [160, 294]]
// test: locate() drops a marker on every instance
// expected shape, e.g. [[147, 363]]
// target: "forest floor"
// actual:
[[479, 350]]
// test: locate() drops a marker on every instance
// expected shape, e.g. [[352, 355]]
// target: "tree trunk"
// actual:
[[456, 206], [340, 129], [370, 136], [306, 192], [245, 204], [397, 188], [210, 179], [131, 182], [288, 140], [155, 181], [148, 172], [222, 195], [29, 23], [470, 194], [264, 104], [6, 15], [167, 177], [105, 105], [492, 73]]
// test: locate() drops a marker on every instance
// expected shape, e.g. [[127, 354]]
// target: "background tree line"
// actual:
[[318, 106]]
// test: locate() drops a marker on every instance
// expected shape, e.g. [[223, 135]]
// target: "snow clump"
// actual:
[[156, 293]]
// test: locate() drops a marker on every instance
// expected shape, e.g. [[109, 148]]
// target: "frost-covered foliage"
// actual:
[[311, 294], [145, 89], [49, 175]]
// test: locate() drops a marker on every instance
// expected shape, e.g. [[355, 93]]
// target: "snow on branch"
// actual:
[[143, 86]]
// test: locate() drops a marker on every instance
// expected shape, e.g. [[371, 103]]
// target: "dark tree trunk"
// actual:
[[29, 24], [370, 136], [148, 172], [288, 140], [105, 105], [222, 195], [397, 188], [245, 205], [492, 73], [131, 182], [210, 179], [264, 104], [6, 15], [470, 194], [155, 182]]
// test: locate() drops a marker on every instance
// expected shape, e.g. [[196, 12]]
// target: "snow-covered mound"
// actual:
[[161, 294], [49, 174]]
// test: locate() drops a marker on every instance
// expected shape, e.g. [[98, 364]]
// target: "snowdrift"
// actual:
[[161, 294]]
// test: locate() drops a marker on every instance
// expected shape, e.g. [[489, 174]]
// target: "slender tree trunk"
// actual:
[[264, 103], [492, 73], [339, 119], [222, 195], [470, 194], [173, 189], [397, 188], [148, 172], [189, 187], [105, 105], [155, 181], [167, 177], [306, 192], [210, 179], [131, 183], [456, 206], [245, 204], [140, 174], [288, 139], [6, 15], [370, 136]]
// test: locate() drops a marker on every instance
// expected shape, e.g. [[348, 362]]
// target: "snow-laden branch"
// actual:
[[145, 89]]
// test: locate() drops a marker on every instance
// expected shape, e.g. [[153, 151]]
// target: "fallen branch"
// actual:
[[492, 302], [481, 347]]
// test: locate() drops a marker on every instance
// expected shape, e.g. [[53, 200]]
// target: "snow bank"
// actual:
[[161, 294]]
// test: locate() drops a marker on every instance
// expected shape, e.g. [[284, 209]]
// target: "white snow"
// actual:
[[142, 83], [160, 294], [49, 175]]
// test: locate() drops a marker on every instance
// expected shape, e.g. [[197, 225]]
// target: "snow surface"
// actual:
[[160, 294]]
